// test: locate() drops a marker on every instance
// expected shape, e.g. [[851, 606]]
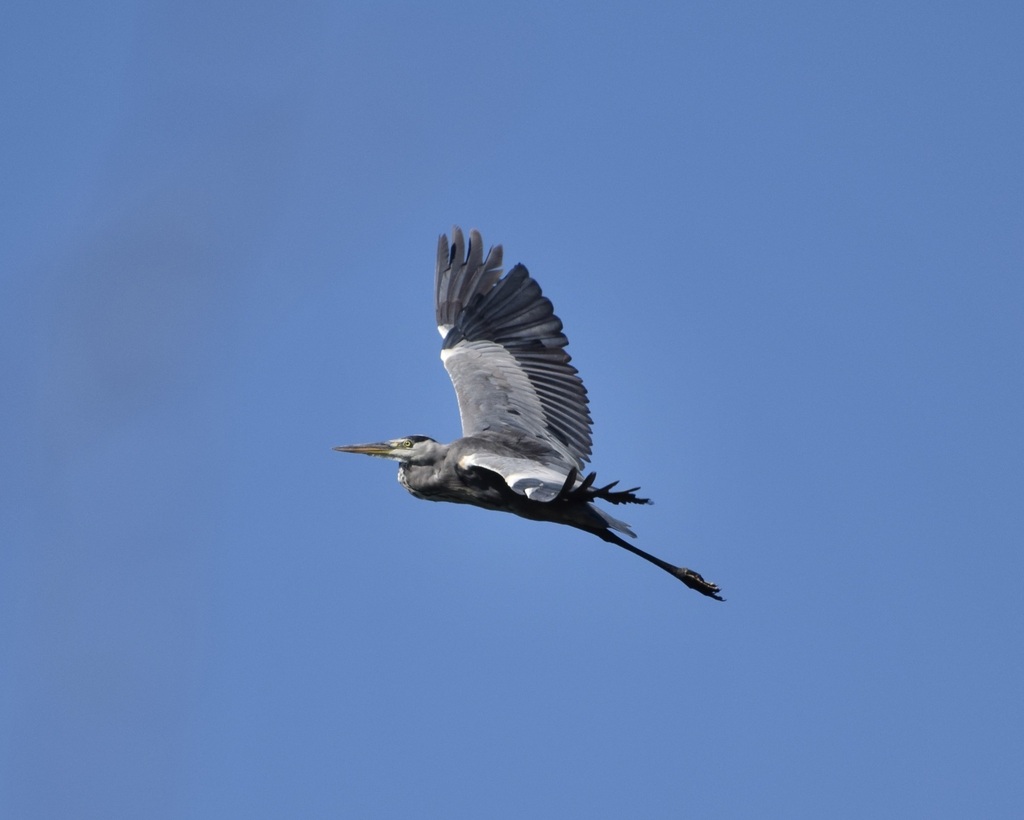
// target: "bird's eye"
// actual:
[[407, 444]]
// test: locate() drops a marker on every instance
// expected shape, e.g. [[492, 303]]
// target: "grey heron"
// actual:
[[524, 409]]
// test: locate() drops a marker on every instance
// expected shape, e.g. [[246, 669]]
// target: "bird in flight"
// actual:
[[525, 416]]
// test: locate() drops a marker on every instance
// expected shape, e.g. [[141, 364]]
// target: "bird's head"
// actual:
[[410, 449]]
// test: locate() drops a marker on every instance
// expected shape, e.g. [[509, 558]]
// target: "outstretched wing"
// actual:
[[505, 352]]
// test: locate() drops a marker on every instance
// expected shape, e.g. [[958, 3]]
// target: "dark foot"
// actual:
[[694, 581]]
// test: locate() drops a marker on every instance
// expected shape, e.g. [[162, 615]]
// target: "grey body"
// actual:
[[438, 476], [525, 416]]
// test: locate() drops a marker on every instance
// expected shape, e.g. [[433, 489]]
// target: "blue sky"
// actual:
[[786, 242]]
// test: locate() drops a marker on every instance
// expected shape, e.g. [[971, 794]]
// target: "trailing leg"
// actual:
[[692, 579]]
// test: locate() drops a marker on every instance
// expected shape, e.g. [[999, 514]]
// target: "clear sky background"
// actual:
[[787, 243]]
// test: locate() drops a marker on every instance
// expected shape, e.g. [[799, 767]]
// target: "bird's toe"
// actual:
[[694, 580]]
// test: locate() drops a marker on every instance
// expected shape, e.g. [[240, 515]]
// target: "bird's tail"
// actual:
[[612, 522]]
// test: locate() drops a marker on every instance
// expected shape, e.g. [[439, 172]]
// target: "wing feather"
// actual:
[[523, 475], [458, 279], [505, 352]]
